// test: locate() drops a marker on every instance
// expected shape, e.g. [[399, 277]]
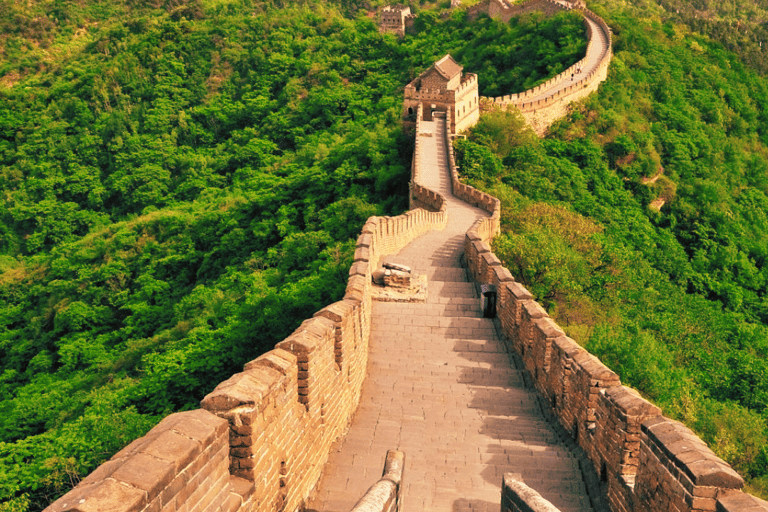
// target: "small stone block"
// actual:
[[147, 473], [106, 496]]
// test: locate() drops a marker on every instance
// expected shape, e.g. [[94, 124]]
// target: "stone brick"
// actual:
[[242, 488], [104, 496], [502, 275], [481, 247], [362, 254], [737, 501], [567, 346], [338, 311], [596, 369], [631, 403], [359, 268], [364, 240], [713, 473], [242, 389], [104, 471], [277, 359], [490, 260], [147, 473], [548, 327], [532, 309], [174, 448]]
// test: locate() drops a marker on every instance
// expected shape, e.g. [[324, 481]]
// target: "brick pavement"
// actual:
[[441, 388]]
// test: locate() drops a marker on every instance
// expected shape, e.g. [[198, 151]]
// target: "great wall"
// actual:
[[449, 403]]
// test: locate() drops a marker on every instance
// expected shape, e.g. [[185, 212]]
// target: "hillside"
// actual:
[[181, 187], [181, 184], [739, 25], [640, 223]]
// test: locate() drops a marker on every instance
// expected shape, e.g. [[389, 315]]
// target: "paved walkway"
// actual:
[[596, 49], [441, 388]]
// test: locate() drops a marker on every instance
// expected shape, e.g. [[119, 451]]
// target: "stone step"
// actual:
[[488, 342], [555, 452], [536, 464], [386, 322], [468, 300], [463, 307], [561, 482], [465, 336], [447, 274], [451, 289]]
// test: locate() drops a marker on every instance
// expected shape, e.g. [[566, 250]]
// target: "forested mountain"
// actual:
[[641, 223], [182, 182], [740, 25], [181, 185]]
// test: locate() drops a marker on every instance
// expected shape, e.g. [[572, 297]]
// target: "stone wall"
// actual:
[[396, 19], [505, 11], [540, 112], [645, 461], [262, 437], [181, 464], [467, 106]]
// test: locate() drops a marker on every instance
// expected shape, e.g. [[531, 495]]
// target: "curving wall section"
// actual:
[[544, 104]]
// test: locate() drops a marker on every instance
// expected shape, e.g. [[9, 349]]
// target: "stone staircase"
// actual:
[[442, 388]]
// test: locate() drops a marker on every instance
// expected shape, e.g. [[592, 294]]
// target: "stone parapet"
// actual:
[[182, 462], [386, 495], [737, 501]]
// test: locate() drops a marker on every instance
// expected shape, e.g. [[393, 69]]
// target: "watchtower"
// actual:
[[444, 88], [396, 19]]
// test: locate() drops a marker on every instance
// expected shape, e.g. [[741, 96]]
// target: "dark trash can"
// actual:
[[488, 299]]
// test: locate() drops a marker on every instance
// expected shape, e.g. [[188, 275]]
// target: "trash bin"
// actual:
[[488, 299]]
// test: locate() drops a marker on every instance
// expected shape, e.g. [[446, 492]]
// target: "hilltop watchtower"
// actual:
[[444, 88], [396, 19]]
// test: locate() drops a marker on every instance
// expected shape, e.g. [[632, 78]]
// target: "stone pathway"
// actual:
[[441, 388], [596, 49]]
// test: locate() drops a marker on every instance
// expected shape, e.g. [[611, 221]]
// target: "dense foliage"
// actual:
[[181, 185], [641, 223], [740, 25], [508, 58], [177, 196]]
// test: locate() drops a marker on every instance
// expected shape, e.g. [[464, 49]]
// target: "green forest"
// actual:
[[641, 224], [181, 185]]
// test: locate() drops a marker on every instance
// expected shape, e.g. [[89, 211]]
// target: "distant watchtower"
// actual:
[[443, 88], [396, 19]]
